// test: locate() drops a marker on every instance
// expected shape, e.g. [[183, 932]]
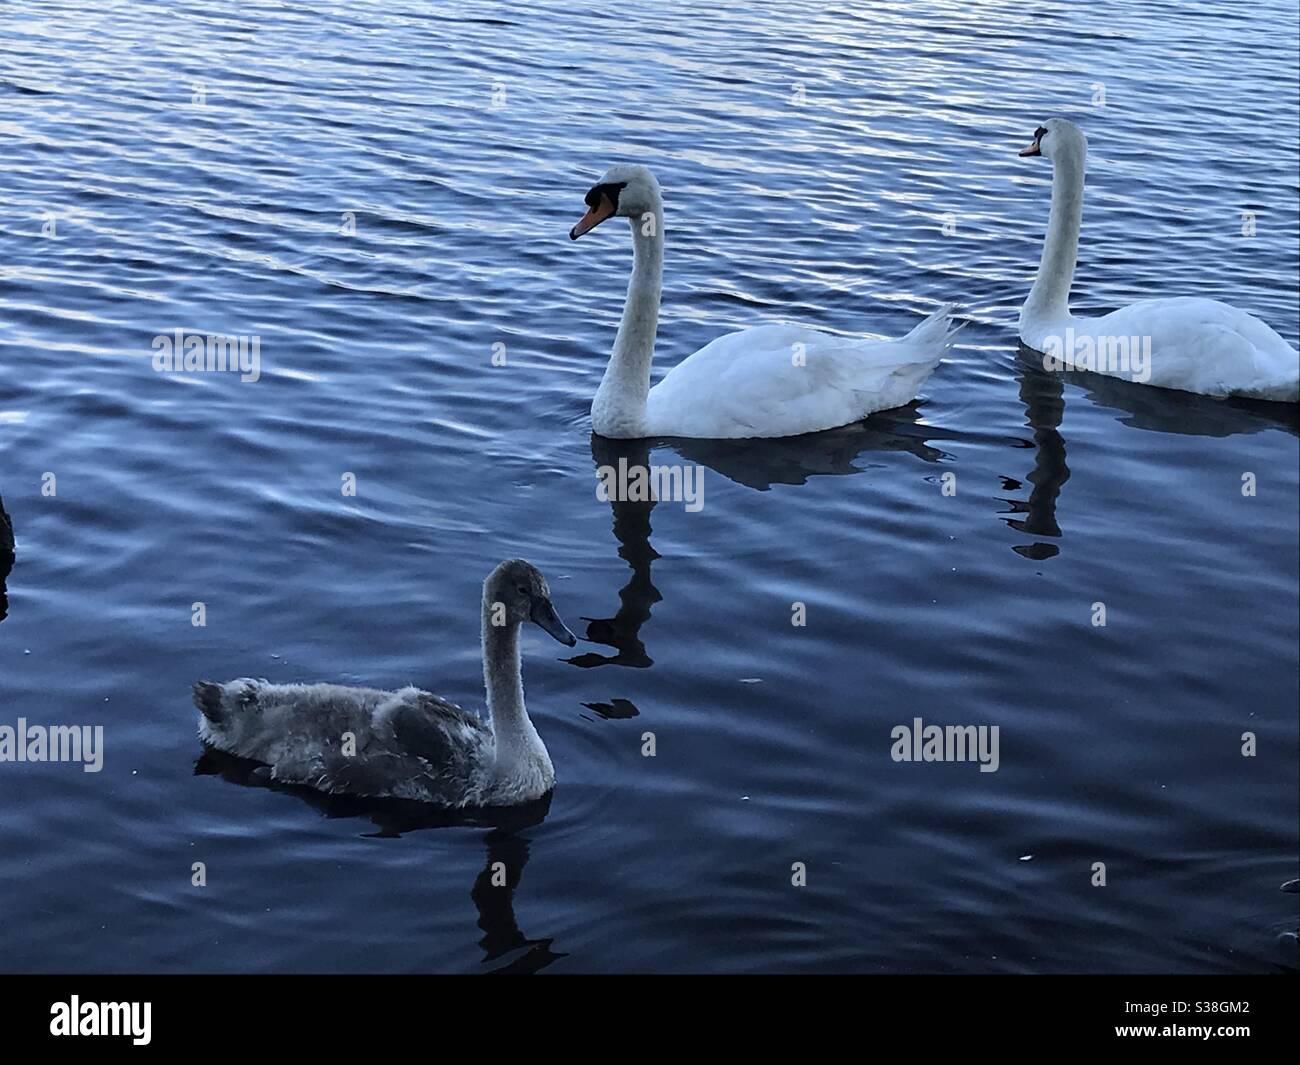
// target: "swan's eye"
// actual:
[[609, 191], [1040, 133], [522, 590]]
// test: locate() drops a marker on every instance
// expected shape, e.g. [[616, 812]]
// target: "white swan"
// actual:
[[1198, 345], [773, 380], [406, 744]]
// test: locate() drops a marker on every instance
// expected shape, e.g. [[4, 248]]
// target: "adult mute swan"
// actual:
[[769, 381], [406, 744], [1198, 345]]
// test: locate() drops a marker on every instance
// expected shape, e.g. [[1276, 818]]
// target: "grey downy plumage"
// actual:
[[406, 744]]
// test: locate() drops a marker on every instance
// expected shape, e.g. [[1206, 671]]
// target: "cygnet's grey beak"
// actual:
[[543, 615]]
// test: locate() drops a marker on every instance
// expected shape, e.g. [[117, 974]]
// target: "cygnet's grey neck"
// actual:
[[503, 678]]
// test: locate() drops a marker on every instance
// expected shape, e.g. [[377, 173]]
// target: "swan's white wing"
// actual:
[[1203, 346], [782, 380]]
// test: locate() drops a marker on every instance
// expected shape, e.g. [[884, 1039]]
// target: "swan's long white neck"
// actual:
[[1049, 299], [620, 404], [516, 739]]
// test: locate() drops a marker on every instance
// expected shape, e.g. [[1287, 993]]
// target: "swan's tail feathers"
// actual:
[[937, 330], [207, 697]]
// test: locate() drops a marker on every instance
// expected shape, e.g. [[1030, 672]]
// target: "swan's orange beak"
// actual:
[[1037, 147], [596, 213]]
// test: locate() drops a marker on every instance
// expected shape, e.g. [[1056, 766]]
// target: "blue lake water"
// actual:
[[381, 193]]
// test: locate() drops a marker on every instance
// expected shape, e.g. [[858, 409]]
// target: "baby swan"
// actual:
[[406, 744]]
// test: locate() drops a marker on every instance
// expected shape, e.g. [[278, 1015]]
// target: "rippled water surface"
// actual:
[[381, 192]]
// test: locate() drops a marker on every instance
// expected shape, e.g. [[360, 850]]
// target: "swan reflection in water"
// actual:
[[792, 460], [638, 595], [756, 464], [6, 558], [494, 887], [1159, 410], [1043, 395], [1164, 410]]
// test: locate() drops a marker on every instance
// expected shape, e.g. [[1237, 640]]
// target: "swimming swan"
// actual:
[[407, 744], [1195, 344], [769, 381]]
